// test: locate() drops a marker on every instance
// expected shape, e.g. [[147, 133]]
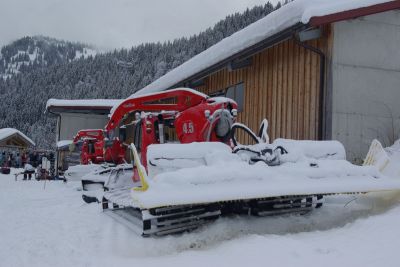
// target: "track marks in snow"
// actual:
[[337, 212]]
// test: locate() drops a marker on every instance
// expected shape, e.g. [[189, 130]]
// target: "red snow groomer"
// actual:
[[185, 174], [179, 115], [96, 149]]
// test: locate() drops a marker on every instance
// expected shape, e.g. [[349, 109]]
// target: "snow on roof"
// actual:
[[64, 143], [299, 11], [8, 132], [106, 103]]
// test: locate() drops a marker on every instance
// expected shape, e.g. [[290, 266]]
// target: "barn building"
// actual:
[[72, 116], [315, 69]]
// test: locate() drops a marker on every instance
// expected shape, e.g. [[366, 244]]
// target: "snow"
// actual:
[[13, 68], [299, 11], [313, 149], [87, 52], [170, 157], [64, 143], [309, 167], [192, 150], [238, 180], [108, 174], [75, 173], [109, 103], [393, 153], [7, 132], [47, 224]]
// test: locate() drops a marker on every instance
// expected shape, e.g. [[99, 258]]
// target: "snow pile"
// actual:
[[394, 149], [386, 160], [7, 132], [170, 157], [223, 176], [313, 149], [299, 11], [393, 152]]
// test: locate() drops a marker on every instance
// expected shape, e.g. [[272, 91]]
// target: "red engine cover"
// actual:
[[192, 125]]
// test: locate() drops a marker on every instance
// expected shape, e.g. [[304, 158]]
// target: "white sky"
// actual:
[[113, 23]]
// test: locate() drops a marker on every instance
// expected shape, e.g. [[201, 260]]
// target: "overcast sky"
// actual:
[[113, 23]]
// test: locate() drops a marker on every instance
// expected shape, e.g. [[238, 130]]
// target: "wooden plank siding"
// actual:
[[282, 85]]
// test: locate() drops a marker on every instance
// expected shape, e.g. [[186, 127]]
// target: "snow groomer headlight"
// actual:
[[234, 112]]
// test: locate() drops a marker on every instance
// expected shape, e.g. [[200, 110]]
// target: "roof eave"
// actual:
[[249, 51], [354, 13], [78, 109]]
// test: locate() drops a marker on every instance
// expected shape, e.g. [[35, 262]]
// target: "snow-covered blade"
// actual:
[[76, 173], [218, 175], [188, 185], [98, 181]]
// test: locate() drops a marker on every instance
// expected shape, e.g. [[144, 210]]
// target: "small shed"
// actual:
[[14, 139], [74, 115]]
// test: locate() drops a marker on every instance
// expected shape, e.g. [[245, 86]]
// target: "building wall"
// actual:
[[282, 85], [366, 81], [71, 123]]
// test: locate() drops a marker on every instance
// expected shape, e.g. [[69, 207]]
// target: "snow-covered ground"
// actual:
[[47, 224]]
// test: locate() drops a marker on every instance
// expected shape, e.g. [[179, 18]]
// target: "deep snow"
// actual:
[[47, 224]]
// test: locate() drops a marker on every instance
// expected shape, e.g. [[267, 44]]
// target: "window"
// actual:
[[236, 92]]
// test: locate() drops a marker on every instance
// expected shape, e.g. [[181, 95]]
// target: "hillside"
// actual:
[[38, 68], [31, 53]]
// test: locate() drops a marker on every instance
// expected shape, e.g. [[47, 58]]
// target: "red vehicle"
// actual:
[[179, 115], [97, 149]]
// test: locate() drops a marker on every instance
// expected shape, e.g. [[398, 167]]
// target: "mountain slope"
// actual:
[[115, 74], [30, 53]]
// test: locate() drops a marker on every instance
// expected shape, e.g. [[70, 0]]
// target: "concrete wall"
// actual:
[[70, 124], [366, 81]]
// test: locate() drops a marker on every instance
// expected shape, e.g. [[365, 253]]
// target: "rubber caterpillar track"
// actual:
[[183, 218]]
